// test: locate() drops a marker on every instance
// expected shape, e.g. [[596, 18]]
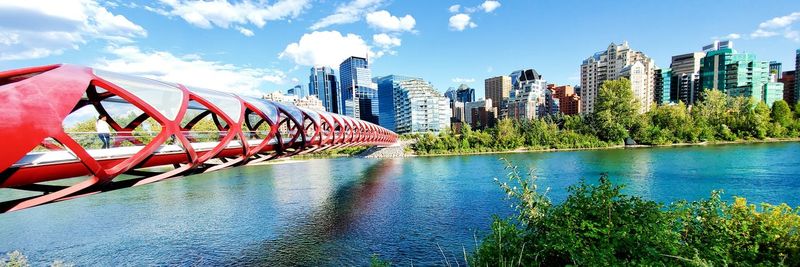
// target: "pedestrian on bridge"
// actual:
[[103, 131]]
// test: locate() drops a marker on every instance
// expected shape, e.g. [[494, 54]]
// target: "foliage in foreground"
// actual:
[[597, 225], [17, 259], [716, 117]]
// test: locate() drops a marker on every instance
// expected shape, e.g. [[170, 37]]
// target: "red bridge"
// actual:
[[160, 130]]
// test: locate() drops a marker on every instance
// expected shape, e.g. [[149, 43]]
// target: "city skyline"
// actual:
[[259, 48]]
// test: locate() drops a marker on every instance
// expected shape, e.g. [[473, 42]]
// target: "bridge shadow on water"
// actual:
[[311, 241]]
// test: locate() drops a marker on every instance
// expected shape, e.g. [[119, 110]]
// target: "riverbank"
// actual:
[[527, 150]]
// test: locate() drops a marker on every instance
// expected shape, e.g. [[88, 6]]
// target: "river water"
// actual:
[[421, 211]]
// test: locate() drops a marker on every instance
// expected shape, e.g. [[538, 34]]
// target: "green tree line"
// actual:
[[716, 117]]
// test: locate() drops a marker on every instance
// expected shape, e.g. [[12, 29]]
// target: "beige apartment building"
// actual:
[[618, 61]]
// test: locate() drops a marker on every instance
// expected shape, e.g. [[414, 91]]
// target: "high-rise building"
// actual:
[[459, 112], [788, 79], [465, 94], [359, 94], [716, 64], [420, 108], [796, 73], [322, 84], [530, 98], [451, 94], [296, 90], [498, 90], [387, 113], [569, 103], [775, 69], [480, 114], [738, 74], [617, 61], [773, 91], [685, 77], [662, 84], [458, 97]]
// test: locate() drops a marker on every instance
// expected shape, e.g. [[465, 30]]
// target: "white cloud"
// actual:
[[384, 21], [326, 48], [463, 80], [778, 26], [459, 22], [39, 28], [732, 36], [780, 22], [224, 14], [386, 41], [454, 8], [245, 31], [792, 35], [761, 33], [490, 5], [347, 13], [190, 70]]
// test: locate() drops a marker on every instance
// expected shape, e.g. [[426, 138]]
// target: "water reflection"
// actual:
[[308, 241]]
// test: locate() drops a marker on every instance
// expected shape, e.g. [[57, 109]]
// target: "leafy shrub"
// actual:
[[598, 225]]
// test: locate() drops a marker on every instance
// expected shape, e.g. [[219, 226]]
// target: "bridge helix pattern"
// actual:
[[160, 130]]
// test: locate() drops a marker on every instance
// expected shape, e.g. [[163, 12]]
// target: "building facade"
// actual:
[[310, 102], [359, 95], [296, 90], [569, 103], [322, 84], [789, 86], [480, 114], [420, 108], [796, 72], [662, 83], [497, 89], [530, 98], [738, 74], [685, 79], [465, 94], [387, 111], [613, 63], [775, 69]]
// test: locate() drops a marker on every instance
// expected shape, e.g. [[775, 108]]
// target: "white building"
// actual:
[[530, 97], [420, 108], [617, 62]]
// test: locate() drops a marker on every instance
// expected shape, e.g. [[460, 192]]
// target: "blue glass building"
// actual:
[[387, 113], [465, 94], [359, 94], [322, 84]]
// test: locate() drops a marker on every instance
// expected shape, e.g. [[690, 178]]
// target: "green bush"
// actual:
[[598, 225]]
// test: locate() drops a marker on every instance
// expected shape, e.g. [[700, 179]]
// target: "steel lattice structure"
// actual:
[[38, 101]]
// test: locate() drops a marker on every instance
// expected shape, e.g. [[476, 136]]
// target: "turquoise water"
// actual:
[[341, 211]]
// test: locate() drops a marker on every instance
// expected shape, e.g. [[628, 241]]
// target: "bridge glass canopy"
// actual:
[[226, 102], [264, 106], [166, 98]]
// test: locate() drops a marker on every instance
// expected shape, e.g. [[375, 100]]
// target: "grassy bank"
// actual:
[[618, 146], [333, 153]]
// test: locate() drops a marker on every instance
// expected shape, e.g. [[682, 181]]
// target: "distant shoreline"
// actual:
[[526, 150]]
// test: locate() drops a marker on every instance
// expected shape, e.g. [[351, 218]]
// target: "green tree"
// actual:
[[616, 109], [507, 135], [781, 113]]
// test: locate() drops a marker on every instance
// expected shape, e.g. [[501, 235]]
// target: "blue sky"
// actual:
[[254, 47]]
